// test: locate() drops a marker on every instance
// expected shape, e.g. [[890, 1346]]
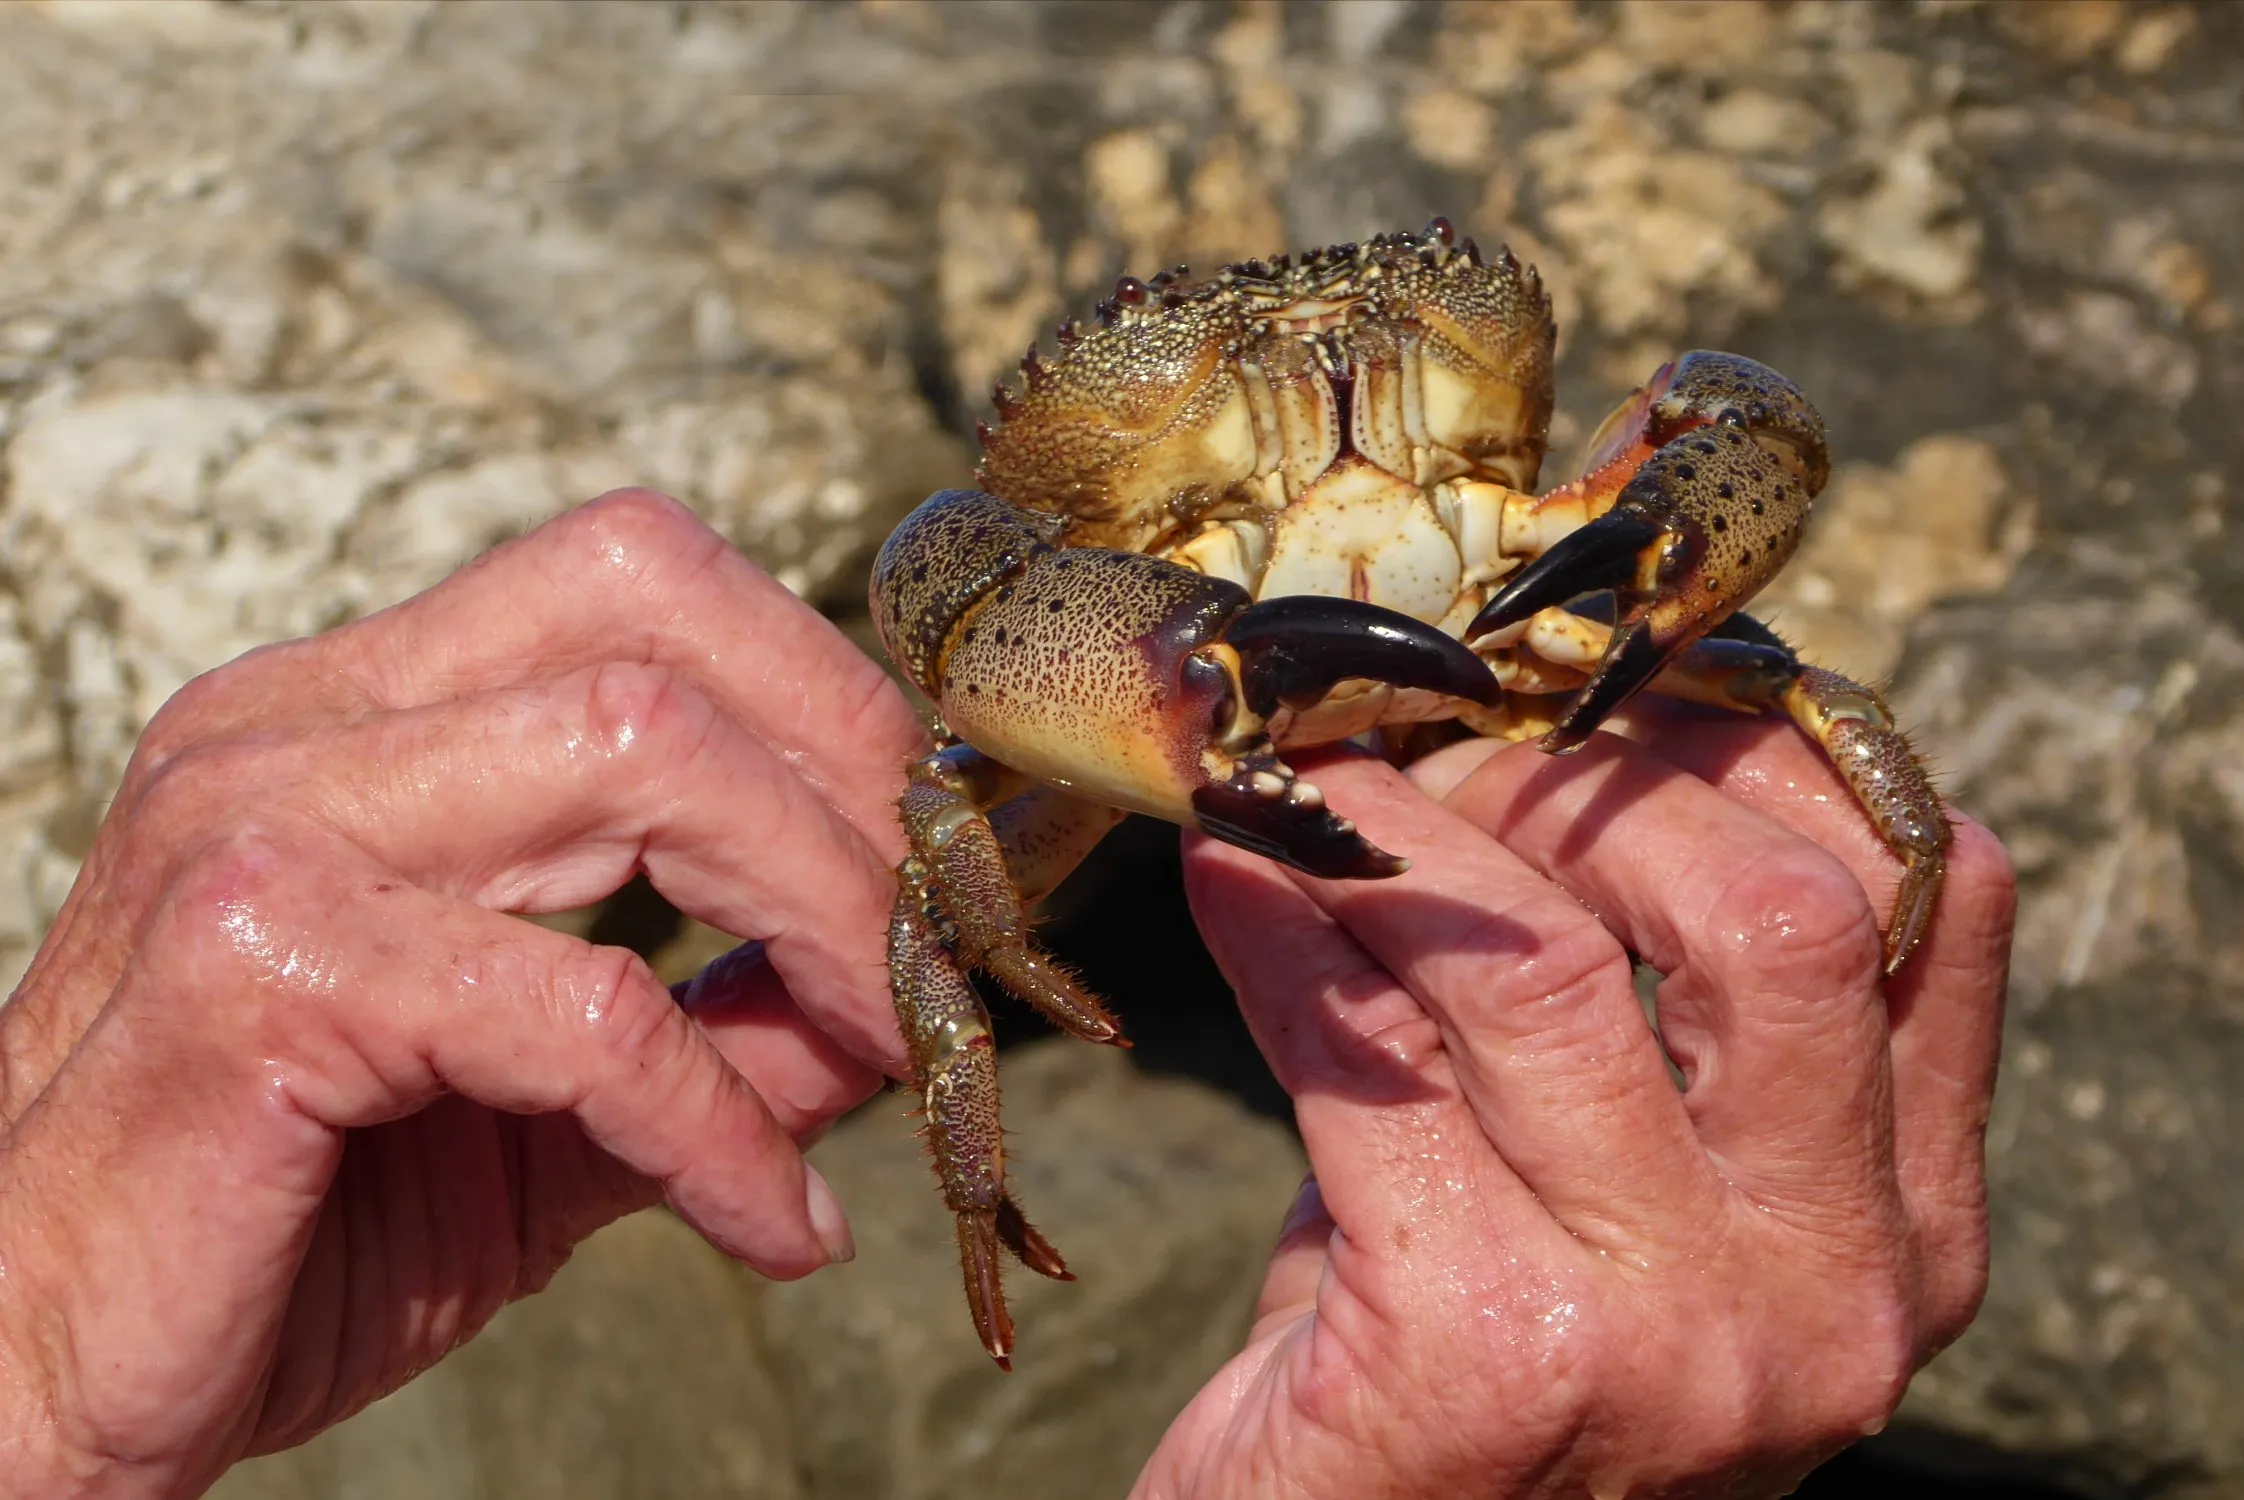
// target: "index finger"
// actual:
[[1537, 1006], [632, 576], [635, 576]]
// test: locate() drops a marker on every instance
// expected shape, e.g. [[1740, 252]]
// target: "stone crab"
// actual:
[[1286, 505]]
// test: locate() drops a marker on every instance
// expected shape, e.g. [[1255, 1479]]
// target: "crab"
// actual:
[[1287, 505]]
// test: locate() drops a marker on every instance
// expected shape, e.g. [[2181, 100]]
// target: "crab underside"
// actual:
[[1291, 504]]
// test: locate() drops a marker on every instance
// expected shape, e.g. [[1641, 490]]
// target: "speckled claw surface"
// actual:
[[1708, 516], [1286, 505], [1139, 683]]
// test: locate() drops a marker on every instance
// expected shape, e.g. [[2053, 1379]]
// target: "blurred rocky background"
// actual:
[[302, 304]]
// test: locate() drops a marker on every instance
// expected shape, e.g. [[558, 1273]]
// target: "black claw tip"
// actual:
[[1632, 659], [1606, 554], [1294, 649], [1307, 837]]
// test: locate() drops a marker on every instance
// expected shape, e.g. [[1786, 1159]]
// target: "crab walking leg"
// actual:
[[1857, 731], [954, 1070], [966, 873], [963, 892]]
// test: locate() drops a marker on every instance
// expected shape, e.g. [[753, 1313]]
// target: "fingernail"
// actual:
[[827, 1220], [722, 981]]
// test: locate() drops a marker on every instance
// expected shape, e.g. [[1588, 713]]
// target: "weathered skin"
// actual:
[[1284, 506]]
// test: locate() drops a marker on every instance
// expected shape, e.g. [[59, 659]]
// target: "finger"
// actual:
[[1534, 1006], [1944, 1008], [511, 1015], [631, 576], [1770, 1001], [1947, 1007], [1297, 1261], [809, 1079], [550, 795], [635, 576], [278, 1001], [1400, 1159]]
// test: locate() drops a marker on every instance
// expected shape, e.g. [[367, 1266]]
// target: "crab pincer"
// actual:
[[1718, 461]]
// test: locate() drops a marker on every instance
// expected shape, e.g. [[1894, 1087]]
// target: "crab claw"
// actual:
[[1295, 649], [1712, 515], [1609, 554], [1290, 652], [1140, 684]]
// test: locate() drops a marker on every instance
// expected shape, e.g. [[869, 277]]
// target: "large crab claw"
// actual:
[[1736, 455], [1138, 683], [1288, 653]]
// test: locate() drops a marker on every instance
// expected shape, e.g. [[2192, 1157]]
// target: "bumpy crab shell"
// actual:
[[1285, 505], [1239, 392]]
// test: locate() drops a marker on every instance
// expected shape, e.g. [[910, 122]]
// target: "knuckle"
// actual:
[[635, 532], [1864, 1380], [647, 725], [206, 707], [1574, 966], [1804, 918], [225, 914], [610, 996], [1957, 1271], [632, 709], [203, 785]]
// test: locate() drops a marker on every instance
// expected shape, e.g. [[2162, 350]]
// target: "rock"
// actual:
[[1164, 1197], [639, 1371], [2113, 1336], [1888, 543], [287, 334]]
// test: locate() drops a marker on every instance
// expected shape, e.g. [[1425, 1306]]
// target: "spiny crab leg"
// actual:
[[958, 908], [1856, 730]]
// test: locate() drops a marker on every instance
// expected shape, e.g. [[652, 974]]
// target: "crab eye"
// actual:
[[1442, 233], [1130, 292]]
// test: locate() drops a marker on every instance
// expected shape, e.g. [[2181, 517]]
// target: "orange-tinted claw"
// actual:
[[979, 1236]]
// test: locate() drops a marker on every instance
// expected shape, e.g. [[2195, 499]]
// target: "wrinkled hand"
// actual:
[[292, 1108], [1527, 1264]]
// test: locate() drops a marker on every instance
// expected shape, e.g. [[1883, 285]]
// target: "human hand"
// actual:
[[291, 1108], [1526, 1263]]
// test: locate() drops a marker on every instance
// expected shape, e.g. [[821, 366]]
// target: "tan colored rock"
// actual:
[[1886, 543]]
